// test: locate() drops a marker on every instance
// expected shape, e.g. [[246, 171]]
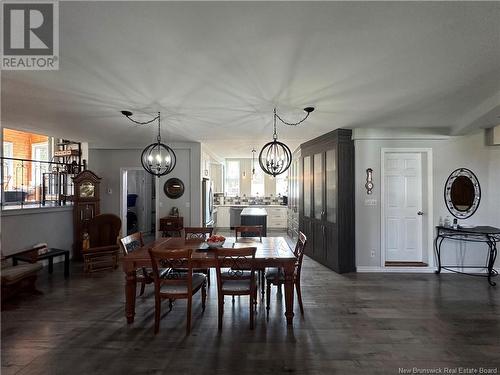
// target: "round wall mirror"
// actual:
[[462, 193], [173, 188]]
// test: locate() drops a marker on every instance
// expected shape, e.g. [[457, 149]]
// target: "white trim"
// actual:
[[365, 269], [35, 210], [400, 134], [430, 200]]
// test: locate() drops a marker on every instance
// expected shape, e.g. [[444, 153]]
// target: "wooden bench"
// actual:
[[15, 279]]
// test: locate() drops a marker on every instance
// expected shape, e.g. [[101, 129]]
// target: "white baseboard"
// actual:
[[363, 269]]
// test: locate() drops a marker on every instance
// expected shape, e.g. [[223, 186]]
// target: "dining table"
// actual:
[[271, 252]]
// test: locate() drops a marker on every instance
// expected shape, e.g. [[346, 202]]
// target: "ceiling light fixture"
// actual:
[[253, 163], [157, 158], [275, 157]]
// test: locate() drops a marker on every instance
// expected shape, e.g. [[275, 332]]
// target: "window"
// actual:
[[282, 184], [233, 177], [257, 185], [39, 151], [8, 165]]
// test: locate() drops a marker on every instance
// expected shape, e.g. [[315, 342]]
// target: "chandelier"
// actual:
[[275, 157], [157, 158]]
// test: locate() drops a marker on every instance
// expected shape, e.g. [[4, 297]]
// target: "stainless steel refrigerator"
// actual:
[[207, 202]]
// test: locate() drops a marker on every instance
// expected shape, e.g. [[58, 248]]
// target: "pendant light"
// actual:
[[275, 157], [253, 163], [157, 158]]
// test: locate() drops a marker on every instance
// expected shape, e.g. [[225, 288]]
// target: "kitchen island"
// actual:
[[254, 216]]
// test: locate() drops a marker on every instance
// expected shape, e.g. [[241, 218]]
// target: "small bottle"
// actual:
[[455, 223], [441, 223], [447, 222]]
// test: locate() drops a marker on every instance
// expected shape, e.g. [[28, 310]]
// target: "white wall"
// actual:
[[22, 229], [107, 164], [448, 154]]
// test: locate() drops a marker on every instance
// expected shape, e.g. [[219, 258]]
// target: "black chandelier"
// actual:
[[157, 159], [275, 157]]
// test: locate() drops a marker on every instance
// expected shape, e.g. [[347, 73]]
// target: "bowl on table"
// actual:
[[215, 241]]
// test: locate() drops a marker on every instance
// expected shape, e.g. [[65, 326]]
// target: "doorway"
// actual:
[[406, 207], [136, 202]]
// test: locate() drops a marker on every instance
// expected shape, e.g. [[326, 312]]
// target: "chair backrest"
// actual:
[[104, 230], [197, 233], [172, 259], [299, 253], [131, 242], [254, 230], [237, 261]]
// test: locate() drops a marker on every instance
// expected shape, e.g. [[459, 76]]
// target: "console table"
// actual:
[[484, 234]]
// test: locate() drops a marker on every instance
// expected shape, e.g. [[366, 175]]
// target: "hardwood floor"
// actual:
[[354, 324]]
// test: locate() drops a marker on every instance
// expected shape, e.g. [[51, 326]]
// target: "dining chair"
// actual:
[[253, 231], [199, 233], [235, 270], [176, 285], [276, 275], [133, 242]]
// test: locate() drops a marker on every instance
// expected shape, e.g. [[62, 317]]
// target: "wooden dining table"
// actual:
[[271, 252]]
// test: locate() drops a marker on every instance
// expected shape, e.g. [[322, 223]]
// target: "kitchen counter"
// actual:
[[253, 211], [250, 205]]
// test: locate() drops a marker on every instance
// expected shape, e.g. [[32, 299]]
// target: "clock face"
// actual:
[[87, 189]]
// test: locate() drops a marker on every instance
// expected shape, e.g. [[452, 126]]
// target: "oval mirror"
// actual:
[[173, 188], [462, 193]]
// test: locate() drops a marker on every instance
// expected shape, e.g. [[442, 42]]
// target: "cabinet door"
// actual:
[[331, 184], [307, 186], [319, 251], [331, 247], [305, 226], [319, 185]]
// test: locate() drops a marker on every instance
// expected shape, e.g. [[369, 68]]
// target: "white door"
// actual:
[[403, 207]]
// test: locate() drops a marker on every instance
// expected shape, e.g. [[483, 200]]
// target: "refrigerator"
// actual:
[[207, 203]]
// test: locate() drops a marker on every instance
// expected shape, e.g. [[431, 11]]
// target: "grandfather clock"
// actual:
[[86, 206]]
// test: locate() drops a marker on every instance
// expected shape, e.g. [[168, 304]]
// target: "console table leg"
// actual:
[[438, 251], [491, 261]]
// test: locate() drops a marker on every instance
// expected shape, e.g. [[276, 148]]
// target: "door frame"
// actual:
[[430, 209], [123, 198]]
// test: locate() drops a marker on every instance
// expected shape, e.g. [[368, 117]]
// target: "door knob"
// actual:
[[420, 213]]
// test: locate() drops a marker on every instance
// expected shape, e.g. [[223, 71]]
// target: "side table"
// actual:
[[48, 255]]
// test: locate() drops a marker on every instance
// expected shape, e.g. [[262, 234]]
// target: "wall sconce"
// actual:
[[369, 181]]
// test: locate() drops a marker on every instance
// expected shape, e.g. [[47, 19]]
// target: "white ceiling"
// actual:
[[216, 70]]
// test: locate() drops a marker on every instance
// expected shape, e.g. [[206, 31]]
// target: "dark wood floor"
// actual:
[[354, 324]]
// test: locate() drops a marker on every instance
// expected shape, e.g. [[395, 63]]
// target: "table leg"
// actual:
[[491, 261], [289, 270], [130, 286], [437, 245], [51, 265], [66, 264]]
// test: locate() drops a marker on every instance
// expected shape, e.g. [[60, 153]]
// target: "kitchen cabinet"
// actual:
[[293, 196], [276, 217], [217, 177], [222, 217], [326, 214]]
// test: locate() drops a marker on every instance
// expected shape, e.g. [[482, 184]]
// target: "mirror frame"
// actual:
[[462, 172], [173, 180]]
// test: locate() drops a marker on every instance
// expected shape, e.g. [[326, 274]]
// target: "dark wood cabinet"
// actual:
[[171, 224], [326, 214]]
